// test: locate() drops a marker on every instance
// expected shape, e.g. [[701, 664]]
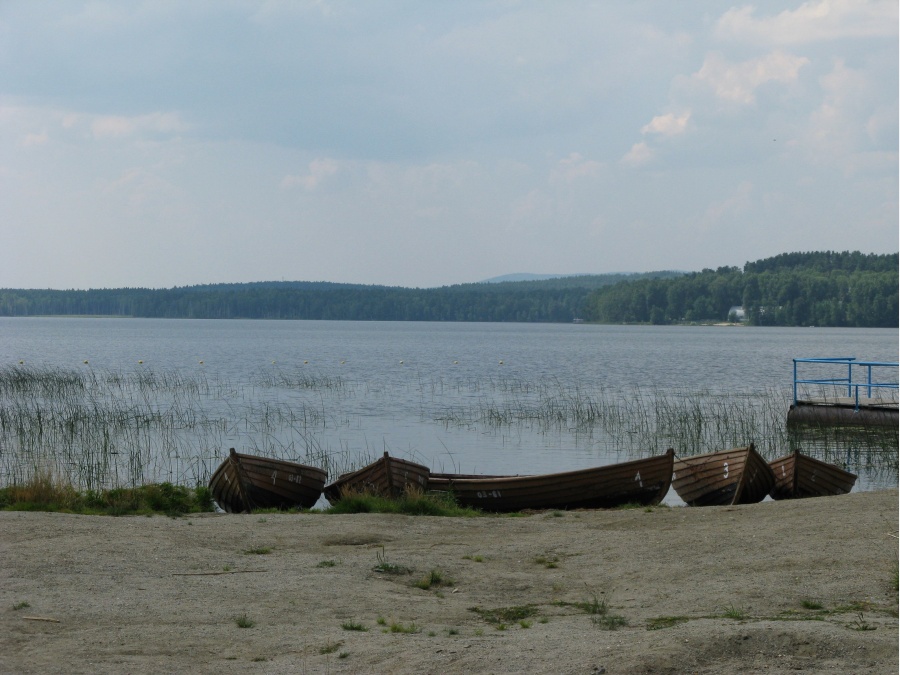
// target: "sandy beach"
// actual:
[[778, 587]]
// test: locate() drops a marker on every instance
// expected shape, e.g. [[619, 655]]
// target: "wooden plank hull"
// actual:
[[799, 476], [738, 476], [243, 483], [388, 476], [643, 481]]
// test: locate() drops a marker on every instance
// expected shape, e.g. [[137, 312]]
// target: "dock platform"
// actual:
[[844, 391]]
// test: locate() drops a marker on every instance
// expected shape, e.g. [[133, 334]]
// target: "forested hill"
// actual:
[[818, 288], [551, 300], [792, 289]]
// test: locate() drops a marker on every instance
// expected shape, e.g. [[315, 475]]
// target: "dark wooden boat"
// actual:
[[738, 476], [798, 476], [388, 476], [643, 481], [246, 482]]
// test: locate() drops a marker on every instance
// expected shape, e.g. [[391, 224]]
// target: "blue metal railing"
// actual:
[[853, 385]]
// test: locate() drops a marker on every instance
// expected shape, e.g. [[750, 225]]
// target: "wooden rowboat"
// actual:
[[246, 482], [388, 476], [643, 481], [738, 476], [798, 476]]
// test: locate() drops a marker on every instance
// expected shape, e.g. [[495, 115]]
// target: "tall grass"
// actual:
[[97, 430]]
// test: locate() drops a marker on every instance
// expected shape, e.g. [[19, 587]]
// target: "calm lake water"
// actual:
[[492, 398]]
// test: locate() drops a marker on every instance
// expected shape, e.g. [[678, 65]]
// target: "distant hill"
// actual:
[[792, 289]]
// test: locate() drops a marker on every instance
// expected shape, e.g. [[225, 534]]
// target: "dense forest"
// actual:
[[820, 288], [792, 289]]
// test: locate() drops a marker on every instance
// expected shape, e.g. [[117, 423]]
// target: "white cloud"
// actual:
[[734, 204], [811, 22], [116, 126], [667, 125], [574, 167], [738, 82], [319, 170], [35, 139], [639, 155]]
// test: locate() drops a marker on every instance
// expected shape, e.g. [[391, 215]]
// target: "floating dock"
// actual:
[[844, 391]]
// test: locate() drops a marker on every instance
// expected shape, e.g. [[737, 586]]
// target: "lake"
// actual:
[[471, 397]]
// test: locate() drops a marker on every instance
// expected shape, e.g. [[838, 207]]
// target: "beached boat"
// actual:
[[798, 475], [737, 476], [388, 476], [642, 481], [246, 482]]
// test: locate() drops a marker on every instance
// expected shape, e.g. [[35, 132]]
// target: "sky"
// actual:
[[163, 143]]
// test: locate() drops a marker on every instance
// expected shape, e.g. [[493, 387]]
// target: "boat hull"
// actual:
[[243, 483], [799, 476], [737, 476], [388, 476], [643, 481]]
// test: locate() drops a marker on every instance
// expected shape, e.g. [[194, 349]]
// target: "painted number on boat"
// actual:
[[638, 480], [294, 478], [487, 494], [726, 469]]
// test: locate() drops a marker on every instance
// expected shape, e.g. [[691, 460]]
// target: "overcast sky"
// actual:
[[415, 143]]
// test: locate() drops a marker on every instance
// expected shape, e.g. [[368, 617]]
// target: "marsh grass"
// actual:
[[258, 550], [331, 647], [46, 493], [354, 626], [411, 503]]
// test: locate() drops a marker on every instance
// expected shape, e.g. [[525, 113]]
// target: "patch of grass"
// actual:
[[600, 615], [665, 622], [504, 615], [381, 621], [412, 503], [20, 605], [525, 623], [474, 558], [452, 631], [811, 604], [397, 627], [736, 613], [243, 621], [860, 623], [343, 655], [354, 625], [550, 562], [259, 550], [44, 493], [331, 647], [386, 567], [326, 563], [433, 578]]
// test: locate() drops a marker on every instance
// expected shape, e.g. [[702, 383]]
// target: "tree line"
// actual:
[[818, 288], [793, 289]]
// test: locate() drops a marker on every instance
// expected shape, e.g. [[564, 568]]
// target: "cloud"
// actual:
[[35, 139], [667, 125], [811, 22], [734, 204], [319, 170], [115, 126], [639, 155], [574, 167], [738, 82]]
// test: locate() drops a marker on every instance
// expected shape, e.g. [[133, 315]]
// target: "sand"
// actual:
[[701, 590]]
